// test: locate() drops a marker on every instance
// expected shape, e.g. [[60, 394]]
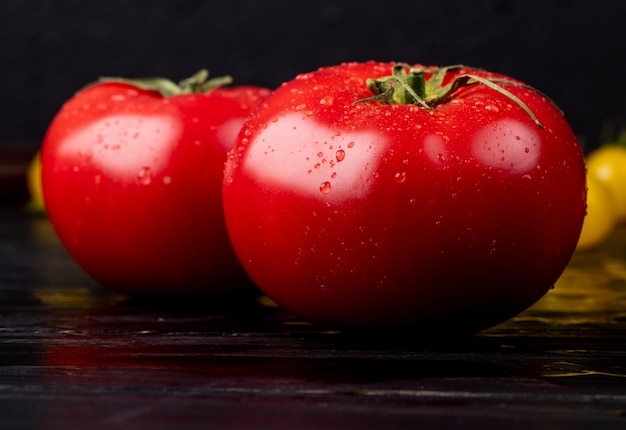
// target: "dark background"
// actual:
[[570, 49]]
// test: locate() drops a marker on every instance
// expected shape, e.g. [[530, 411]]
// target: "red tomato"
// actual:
[[451, 215], [132, 184]]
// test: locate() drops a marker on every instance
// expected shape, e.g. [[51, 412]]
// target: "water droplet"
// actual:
[[325, 187], [441, 158], [303, 76], [518, 138], [351, 145], [400, 177], [333, 175], [327, 101], [526, 150], [144, 175], [300, 107], [340, 155], [320, 154]]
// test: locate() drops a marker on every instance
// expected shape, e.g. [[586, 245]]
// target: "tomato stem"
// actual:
[[196, 84], [408, 85]]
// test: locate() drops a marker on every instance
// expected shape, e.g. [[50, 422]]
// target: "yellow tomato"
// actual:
[[607, 165], [601, 214], [33, 180]]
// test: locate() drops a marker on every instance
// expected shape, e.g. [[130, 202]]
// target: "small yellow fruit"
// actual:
[[33, 181], [601, 215], [607, 164]]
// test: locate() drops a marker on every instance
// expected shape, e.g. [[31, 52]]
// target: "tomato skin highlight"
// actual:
[[132, 185], [367, 216]]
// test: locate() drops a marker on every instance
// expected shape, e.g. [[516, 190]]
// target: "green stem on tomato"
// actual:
[[195, 84], [408, 85]]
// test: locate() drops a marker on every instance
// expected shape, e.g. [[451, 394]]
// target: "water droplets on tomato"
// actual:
[[340, 155], [144, 175], [327, 100], [325, 187], [400, 177], [304, 76]]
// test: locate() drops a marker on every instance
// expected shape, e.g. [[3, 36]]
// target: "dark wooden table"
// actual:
[[73, 355]]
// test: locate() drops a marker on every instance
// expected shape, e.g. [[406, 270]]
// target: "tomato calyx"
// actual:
[[196, 84], [409, 85]]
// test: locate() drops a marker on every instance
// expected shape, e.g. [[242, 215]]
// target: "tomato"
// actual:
[[601, 215], [607, 164], [132, 183], [356, 205]]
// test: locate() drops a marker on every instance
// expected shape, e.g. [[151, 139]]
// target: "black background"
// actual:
[[570, 49]]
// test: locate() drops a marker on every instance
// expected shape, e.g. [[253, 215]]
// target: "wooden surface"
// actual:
[[73, 355]]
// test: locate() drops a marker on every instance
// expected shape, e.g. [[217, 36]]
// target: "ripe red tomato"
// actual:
[[132, 182], [452, 213]]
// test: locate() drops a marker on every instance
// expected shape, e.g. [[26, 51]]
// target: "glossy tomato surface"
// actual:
[[132, 183], [374, 215]]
